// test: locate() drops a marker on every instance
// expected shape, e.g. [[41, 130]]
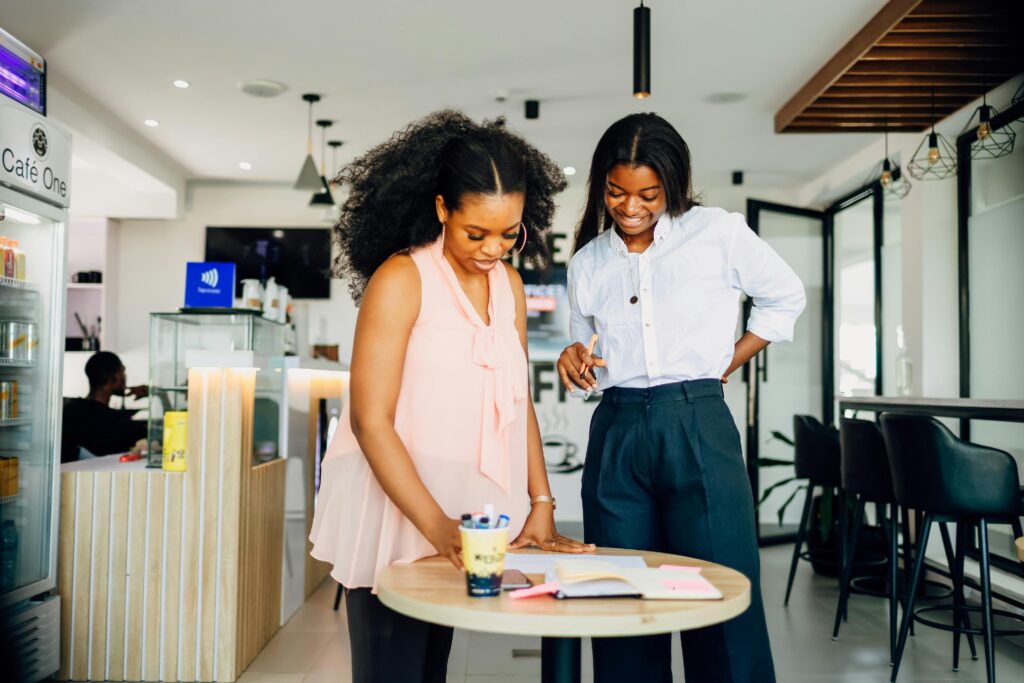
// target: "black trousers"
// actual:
[[388, 647], [665, 472]]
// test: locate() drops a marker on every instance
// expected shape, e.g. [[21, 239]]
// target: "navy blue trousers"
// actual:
[[665, 472]]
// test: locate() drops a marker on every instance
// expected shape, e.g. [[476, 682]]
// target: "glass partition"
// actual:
[[995, 235], [856, 360]]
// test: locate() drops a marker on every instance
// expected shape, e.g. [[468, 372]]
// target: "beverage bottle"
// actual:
[[904, 365], [8, 555], [19, 260], [3, 256]]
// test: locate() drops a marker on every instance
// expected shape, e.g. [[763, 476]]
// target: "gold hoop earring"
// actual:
[[522, 229], [442, 236]]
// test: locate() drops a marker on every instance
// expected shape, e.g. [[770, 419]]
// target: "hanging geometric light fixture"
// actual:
[[894, 183], [1018, 98], [938, 160], [641, 51], [991, 144], [308, 178], [323, 197]]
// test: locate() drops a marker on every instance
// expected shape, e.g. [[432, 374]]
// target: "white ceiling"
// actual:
[[381, 64]]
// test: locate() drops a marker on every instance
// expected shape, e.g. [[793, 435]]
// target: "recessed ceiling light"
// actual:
[[245, 165], [569, 170], [263, 88], [181, 84], [152, 123], [725, 98]]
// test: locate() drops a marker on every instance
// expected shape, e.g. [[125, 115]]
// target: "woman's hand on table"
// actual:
[[569, 362], [539, 530], [447, 540]]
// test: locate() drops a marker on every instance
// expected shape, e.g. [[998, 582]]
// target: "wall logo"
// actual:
[[40, 143], [210, 278]]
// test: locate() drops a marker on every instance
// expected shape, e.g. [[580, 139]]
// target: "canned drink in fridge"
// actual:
[[175, 440], [8, 399], [21, 341], [8, 337], [31, 342]]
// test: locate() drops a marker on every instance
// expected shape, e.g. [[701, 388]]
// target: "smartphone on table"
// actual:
[[513, 579]]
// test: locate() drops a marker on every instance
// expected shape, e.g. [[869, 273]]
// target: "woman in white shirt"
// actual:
[[658, 278]]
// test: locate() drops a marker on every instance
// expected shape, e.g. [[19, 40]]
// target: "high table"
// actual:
[[965, 408], [432, 590]]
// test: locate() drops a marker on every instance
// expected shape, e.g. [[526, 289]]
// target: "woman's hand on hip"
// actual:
[[572, 358], [447, 540], [539, 530]]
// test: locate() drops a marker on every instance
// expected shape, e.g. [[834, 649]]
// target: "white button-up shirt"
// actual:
[[688, 283]]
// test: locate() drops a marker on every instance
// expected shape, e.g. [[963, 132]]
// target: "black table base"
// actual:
[[560, 660]]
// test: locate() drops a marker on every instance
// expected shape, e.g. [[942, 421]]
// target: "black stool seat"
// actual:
[[816, 454], [958, 481]]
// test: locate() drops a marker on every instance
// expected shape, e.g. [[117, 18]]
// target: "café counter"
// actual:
[[175, 576]]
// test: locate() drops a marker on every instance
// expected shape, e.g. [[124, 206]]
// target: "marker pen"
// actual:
[[467, 520], [502, 522]]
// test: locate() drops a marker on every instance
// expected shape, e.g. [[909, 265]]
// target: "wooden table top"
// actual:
[[434, 591]]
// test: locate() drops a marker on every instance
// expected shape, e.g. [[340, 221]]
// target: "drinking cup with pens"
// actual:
[[484, 541]]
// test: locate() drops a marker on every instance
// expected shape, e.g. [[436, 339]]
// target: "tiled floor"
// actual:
[[313, 646]]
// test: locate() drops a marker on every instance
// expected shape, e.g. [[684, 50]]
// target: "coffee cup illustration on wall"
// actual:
[[561, 456]]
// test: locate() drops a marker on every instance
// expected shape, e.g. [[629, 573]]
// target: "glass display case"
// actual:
[[173, 335]]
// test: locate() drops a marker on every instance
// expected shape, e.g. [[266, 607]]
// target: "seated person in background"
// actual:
[[91, 423]]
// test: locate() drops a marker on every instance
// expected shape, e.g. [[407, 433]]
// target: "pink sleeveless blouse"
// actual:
[[461, 413]]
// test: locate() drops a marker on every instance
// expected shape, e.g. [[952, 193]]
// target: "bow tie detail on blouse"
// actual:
[[504, 379]]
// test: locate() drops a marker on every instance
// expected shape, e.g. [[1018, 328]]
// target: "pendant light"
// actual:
[[333, 211], [990, 144], [323, 197], [894, 183], [308, 178], [938, 160], [1018, 98], [641, 51]]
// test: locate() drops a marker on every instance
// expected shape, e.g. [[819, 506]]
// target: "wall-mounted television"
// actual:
[[298, 258]]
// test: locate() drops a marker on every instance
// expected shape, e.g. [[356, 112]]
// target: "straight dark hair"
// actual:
[[637, 140]]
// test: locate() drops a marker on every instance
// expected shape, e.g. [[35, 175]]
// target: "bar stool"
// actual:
[[816, 458], [865, 475], [952, 480]]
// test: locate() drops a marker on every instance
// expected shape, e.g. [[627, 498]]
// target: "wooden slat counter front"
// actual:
[[175, 576]]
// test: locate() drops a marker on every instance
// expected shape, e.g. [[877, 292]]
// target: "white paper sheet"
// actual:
[[535, 563]]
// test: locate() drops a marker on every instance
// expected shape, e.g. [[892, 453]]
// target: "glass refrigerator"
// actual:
[[34, 191]]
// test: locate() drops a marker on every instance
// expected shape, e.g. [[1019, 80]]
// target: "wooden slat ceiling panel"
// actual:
[[887, 74]]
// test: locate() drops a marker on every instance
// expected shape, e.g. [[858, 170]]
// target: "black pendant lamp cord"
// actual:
[[309, 137], [933, 109]]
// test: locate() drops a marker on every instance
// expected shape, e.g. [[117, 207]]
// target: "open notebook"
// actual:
[[578, 578]]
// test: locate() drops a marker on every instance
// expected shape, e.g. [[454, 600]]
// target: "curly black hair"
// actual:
[[391, 204]]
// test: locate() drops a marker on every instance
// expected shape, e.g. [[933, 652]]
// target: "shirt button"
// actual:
[[647, 323], [644, 290]]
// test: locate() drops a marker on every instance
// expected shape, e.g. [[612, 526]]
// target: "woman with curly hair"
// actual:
[[441, 421]]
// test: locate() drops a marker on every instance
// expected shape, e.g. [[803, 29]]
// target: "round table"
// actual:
[[434, 591]]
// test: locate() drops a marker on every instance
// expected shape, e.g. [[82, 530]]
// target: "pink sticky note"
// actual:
[[686, 585], [680, 568], [549, 588]]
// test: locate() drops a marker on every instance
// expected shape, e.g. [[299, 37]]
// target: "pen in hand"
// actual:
[[590, 352]]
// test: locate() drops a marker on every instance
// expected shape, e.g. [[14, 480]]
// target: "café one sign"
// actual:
[[35, 154]]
